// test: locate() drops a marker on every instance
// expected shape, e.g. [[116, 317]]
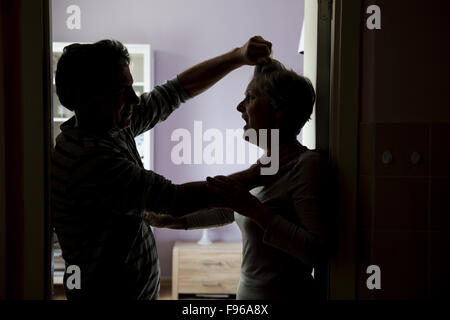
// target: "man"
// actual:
[[100, 189]]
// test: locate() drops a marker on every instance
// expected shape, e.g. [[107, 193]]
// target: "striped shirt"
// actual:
[[100, 191]]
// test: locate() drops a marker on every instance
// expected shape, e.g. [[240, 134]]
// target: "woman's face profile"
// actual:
[[255, 109]]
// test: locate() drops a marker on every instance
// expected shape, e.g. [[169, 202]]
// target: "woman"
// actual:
[[281, 221]]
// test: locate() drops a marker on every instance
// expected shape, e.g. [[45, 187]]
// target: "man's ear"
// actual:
[[78, 100], [87, 101]]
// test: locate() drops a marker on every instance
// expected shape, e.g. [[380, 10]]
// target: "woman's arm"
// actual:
[[306, 239], [207, 218]]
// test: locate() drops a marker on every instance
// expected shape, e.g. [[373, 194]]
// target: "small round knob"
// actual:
[[387, 157], [415, 158]]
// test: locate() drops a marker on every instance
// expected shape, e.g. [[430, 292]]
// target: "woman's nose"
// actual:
[[240, 107]]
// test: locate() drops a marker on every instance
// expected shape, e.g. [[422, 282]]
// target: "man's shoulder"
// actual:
[[83, 143]]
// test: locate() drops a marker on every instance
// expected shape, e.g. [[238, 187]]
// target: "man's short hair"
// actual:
[[288, 91], [84, 69]]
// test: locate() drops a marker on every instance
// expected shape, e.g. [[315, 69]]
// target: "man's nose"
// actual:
[[133, 98]]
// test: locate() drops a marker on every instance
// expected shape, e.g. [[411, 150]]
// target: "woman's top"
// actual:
[[278, 262]]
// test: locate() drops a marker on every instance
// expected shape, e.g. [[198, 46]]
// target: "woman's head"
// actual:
[[277, 98]]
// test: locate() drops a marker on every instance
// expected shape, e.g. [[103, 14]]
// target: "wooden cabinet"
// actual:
[[205, 269]]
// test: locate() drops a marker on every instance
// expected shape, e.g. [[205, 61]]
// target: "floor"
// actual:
[[164, 294], [58, 292], [165, 291]]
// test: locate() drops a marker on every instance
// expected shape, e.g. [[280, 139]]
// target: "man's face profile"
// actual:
[[114, 104]]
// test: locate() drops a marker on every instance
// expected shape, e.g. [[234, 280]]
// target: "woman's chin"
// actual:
[[249, 140]]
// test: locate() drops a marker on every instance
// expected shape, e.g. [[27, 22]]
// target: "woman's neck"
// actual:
[[285, 146]]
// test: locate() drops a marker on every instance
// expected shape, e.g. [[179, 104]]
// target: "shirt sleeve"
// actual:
[[113, 182], [304, 240], [157, 105], [209, 218]]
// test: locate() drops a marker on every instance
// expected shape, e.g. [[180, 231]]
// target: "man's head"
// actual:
[[94, 80], [277, 98]]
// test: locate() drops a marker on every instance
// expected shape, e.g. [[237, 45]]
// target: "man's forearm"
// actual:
[[192, 197], [202, 76]]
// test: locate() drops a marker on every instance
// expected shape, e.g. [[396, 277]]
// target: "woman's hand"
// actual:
[[236, 196]]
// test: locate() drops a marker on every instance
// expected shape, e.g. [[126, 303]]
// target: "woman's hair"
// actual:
[[286, 91], [85, 69]]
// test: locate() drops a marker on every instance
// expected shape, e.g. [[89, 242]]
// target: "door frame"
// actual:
[[36, 89], [337, 115], [333, 66], [25, 151], [343, 142]]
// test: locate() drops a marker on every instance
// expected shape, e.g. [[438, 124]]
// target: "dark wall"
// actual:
[[403, 216], [11, 150]]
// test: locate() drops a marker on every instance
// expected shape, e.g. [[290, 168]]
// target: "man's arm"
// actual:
[[157, 105], [194, 196], [201, 77]]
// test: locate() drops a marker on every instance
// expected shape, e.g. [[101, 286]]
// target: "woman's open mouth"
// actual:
[[246, 122]]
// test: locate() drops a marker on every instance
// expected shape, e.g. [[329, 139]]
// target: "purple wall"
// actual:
[[183, 33]]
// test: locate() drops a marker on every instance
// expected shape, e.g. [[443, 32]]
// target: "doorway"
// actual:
[[318, 69]]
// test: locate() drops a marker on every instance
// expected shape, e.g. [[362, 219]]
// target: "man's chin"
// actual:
[[124, 124]]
